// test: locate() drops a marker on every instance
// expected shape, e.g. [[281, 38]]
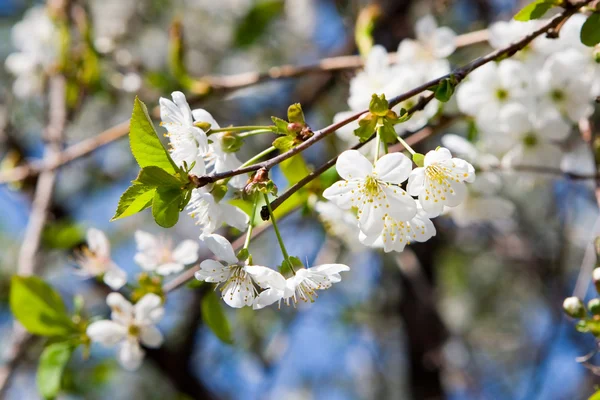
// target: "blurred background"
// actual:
[[474, 313]]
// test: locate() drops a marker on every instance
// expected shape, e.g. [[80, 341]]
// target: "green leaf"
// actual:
[[280, 126], [418, 159], [535, 10], [379, 105], [135, 199], [38, 307], [286, 265], [387, 133], [295, 113], [256, 21], [284, 143], [53, 361], [62, 234], [595, 396], [294, 168], [367, 124], [157, 177], [444, 90], [214, 317], [590, 31], [145, 144], [363, 29], [166, 205]]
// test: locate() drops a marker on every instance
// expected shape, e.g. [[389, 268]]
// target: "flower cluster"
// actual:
[[388, 216]]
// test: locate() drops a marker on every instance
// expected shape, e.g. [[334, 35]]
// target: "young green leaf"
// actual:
[[367, 124], [294, 168], [157, 177], [295, 113], [280, 126], [135, 199], [52, 364], [284, 143], [387, 133], [590, 31], [418, 159], [535, 10], [379, 105], [166, 205], [145, 145], [444, 90], [214, 317], [38, 307], [256, 21]]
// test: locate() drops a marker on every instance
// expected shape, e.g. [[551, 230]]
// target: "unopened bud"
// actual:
[[295, 127], [205, 126], [231, 142], [306, 133], [574, 307], [594, 306]]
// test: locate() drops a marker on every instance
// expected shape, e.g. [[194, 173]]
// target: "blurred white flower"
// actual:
[[373, 190], [129, 326], [157, 254], [211, 214], [94, 260], [339, 223], [440, 182], [237, 280]]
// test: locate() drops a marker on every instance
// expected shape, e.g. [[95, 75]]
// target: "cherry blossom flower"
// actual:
[[188, 142], [238, 281], [373, 190], [211, 214], [440, 182], [94, 260], [339, 223], [302, 286], [157, 254], [130, 326], [397, 234]]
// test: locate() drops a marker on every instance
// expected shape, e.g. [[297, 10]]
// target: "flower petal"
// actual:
[[353, 165], [341, 193], [220, 247], [393, 168], [186, 252], [266, 277], [212, 271], [98, 242], [108, 333], [148, 309], [151, 337], [130, 355], [115, 277], [169, 268]]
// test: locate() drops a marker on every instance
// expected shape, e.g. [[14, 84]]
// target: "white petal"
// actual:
[[353, 165], [234, 216], [107, 333], [438, 155], [370, 217], [220, 247], [147, 261], [148, 309], [341, 193], [331, 270], [186, 252], [98, 243], [184, 108], [377, 60], [145, 241], [426, 27], [516, 119], [443, 42], [267, 297], [401, 206], [201, 115], [115, 278], [459, 145], [130, 355], [169, 268], [120, 306], [416, 181], [151, 337], [212, 271], [266, 277], [393, 168]]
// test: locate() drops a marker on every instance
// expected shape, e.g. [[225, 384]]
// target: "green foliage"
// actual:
[[595, 396], [284, 143], [363, 29], [166, 205], [294, 168], [135, 199], [156, 177], [50, 370], [379, 105], [145, 144], [256, 21], [590, 31], [214, 317], [367, 124], [62, 235], [386, 131], [535, 10], [418, 159], [295, 113], [445, 89], [291, 264], [38, 307], [280, 126]]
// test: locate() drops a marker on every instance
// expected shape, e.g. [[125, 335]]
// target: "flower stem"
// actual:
[[254, 133], [258, 157], [251, 224], [276, 229], [378, 143], [406, 145], [242, 128]]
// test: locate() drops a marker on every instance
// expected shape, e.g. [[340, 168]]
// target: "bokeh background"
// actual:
[[474, 313]]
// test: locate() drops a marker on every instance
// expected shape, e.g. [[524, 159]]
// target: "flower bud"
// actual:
[[574, 307], [295, 127], [594, 306], [231, 142], [205, 126]]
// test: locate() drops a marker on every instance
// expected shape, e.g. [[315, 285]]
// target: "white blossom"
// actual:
[[130, 326], [373, 190], [187, 142], [440, 182], [158, 255], [339, 223], [238, 282], [94, 260], [302, 286], [211, 214]]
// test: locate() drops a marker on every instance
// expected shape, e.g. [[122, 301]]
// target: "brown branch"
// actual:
[[68, 155]]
